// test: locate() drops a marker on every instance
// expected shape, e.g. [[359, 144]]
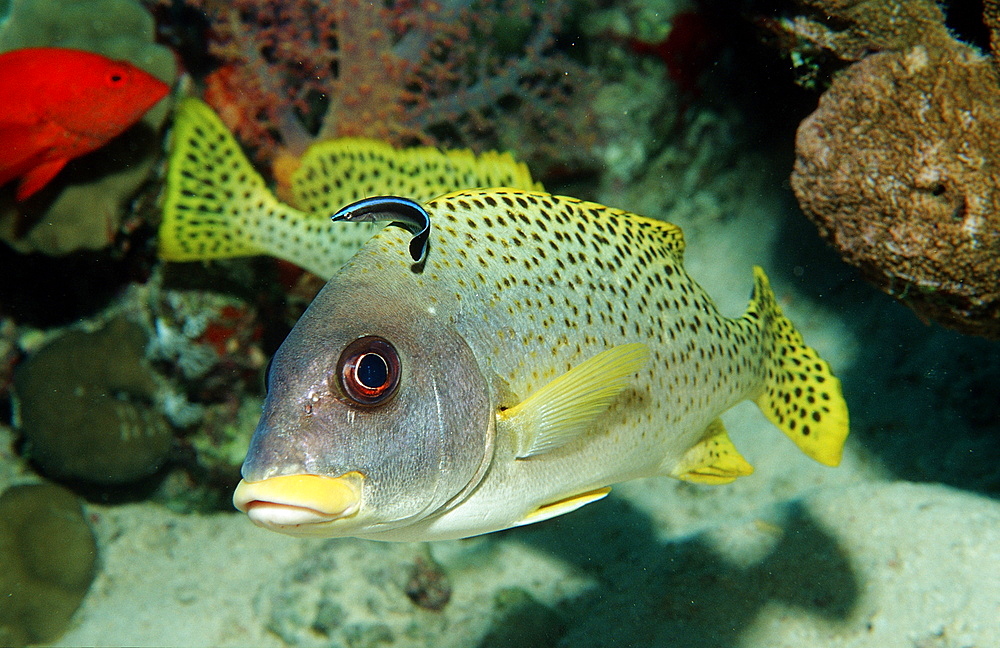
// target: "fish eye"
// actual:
[[116, 77], [369, 370]]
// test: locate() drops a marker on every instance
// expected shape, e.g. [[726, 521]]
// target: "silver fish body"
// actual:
[[546, 349]]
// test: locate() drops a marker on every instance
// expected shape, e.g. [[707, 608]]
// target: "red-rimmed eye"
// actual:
[[369, 370]]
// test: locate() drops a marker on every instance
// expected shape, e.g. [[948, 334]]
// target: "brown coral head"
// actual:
[[898, 169]]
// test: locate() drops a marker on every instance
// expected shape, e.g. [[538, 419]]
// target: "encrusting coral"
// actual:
[[898, 165], [49, 558], [82, 208], [84, 404]]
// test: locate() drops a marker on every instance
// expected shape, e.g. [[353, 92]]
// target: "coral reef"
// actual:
[[205, 347], [220, 443], [9, 354], [668, 137], [83, 404], [483, 75], [49, 558], [898, 164], [208, 342], [82, 209]]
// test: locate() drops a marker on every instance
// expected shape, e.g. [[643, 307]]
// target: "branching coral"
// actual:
[[899, 166], [452, 73]]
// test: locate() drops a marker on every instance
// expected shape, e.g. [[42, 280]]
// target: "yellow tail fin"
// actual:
[[209, 184], [801, 395]]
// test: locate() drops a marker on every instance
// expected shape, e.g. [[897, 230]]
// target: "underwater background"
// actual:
[[848, 148]]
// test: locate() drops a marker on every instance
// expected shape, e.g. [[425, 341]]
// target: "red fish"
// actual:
[[57, 104]]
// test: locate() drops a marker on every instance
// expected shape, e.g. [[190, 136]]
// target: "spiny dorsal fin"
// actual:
[[564, 408], [334, 173], [802, 396], [667, 235], [713, 460], [671, 236]]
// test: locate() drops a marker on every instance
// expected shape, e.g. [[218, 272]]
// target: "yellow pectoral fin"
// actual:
[[564, 408], [713, 460], [564, 505]]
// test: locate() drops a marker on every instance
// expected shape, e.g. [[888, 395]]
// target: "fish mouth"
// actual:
[[299, 504]]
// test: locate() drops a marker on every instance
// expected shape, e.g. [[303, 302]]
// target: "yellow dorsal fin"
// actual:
[[801, 395], [216, 205], [564, 408], [713, 460], [337, 172], [565, 505], [672, 236]]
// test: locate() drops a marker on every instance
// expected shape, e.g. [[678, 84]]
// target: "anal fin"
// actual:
[[39, 176], [565, 505], [713, 460]]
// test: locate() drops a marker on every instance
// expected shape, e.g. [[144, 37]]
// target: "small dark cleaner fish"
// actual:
[[544, 349]]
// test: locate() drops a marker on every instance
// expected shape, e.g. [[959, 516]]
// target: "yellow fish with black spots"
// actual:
[[532, 352], [215, 205]]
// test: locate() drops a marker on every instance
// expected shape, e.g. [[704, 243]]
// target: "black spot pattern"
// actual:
[[541, 283], [216, 205], [375, 168]]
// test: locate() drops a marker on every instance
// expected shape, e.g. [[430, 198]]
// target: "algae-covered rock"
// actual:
[[82, 206], [897, 166], [84, 406], [49, 559]]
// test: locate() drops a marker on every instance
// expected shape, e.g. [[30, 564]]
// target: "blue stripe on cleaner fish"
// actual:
[[545, 349], [216, 205]]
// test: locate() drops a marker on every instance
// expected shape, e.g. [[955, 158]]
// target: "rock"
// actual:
[[898, 167], [853, 29], [49, 558], [84, 406]]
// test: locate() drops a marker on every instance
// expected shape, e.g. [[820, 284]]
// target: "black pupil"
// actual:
[[372, 372]]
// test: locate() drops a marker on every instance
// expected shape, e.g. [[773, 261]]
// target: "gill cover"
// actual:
[[373, 384]]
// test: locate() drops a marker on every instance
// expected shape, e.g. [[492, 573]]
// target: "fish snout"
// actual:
[[300, 504]]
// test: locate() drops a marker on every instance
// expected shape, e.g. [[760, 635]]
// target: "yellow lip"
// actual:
[[289, 502]]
